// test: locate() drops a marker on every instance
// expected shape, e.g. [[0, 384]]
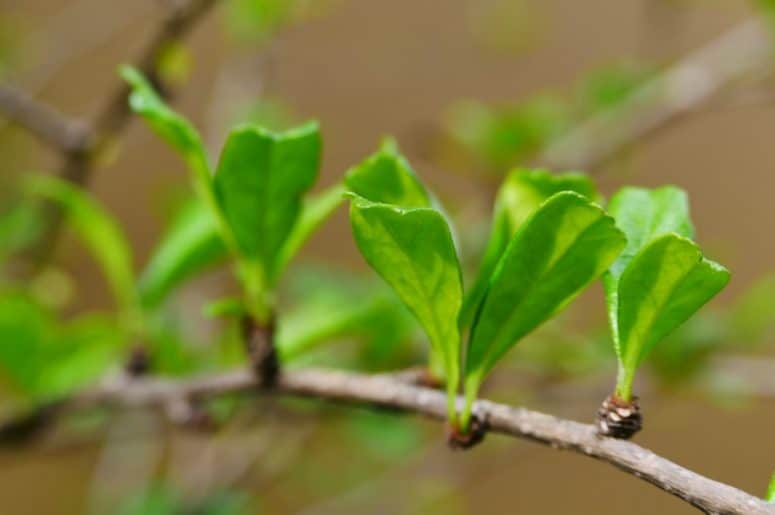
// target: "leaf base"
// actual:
[[618, 418], [458, 440], [138, 363], [259, 345]]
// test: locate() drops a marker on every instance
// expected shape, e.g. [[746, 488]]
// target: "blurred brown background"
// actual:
[[367, 68]]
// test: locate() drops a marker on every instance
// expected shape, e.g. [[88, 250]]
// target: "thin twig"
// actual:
[[383, 391], [113, 116], [43, 121], [679, 90]]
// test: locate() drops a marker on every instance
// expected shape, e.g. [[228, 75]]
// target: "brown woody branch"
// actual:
[[43, 121], [79, 143], [386, 391]]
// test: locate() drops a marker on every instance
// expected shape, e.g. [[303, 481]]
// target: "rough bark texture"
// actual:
[[386, 391]]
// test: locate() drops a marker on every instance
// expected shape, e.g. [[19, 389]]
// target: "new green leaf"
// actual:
[[412, 249], [191, 243], [259, 185], [659, 280], [386, 177], [170, 125], [98, 230], [521, 193], [315, 210], [663, 285], [566, 244], [645, 214]]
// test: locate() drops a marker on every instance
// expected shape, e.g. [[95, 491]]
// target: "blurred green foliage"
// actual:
[[256, 21], [42, 357], [500, 136], [165, 500], [327, 305]]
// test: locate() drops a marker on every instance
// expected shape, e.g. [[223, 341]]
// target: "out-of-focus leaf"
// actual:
[[260, 182], [83, 351], [174, 64], [521, 193], [25, 328], [168, 124], [753, 316], [504, 136], [256, 21], [228, 306], [41, 358], [190, 244], [771, 490], [383, 435], [412, 250], [315, 210], [155, 501], [683, 355], [388, 178], [663, 285], [19, 226], [355, 321], [767, 10], [608, 87], [98, 230], [566, 244], [161, 499]]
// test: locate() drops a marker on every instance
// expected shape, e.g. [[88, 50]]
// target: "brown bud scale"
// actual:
[[259, 344], [458, 440], [618, 418], [139, 362]]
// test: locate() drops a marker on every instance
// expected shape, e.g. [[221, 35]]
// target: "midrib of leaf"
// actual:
[[426, 295], [649, 235], [557, 257], [632, 359]]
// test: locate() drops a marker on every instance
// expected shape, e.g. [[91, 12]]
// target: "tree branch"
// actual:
[[42, 121], [112, 117], [677, 91], [385, 391], [115, 113]]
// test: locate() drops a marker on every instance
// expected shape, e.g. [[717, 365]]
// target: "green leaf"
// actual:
[[386, 177], [261, 179], [42, 358], [340, 309], [225, 307], [664, 284], [20, 226], [98, 230], [521, 193], [566, 244], [177, 131], [771, 490], [315, 210], [607, 88], [501, 136], [412, 249], [643, 215], [168, 124], [190, 244]]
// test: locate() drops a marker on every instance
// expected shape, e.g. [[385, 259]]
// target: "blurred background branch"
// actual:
[[679, 90]]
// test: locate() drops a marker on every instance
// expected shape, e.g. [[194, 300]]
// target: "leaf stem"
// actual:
[[471, 388], [624, 380]]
